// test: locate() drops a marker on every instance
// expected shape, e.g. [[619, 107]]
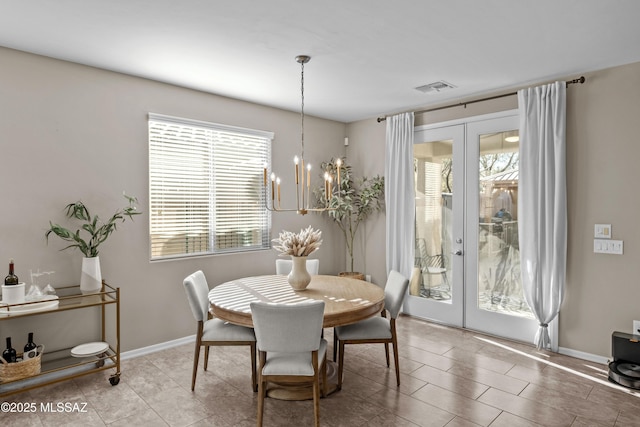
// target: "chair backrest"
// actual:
[[394, 292], [290, 328], [197, 293], [284, 266]]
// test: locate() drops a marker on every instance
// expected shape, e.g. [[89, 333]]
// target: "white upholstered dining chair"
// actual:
[[284, 266], [377, 329], [290, 348], [214, 332]]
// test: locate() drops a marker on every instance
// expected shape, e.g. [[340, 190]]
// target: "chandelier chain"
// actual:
[[302, 107]]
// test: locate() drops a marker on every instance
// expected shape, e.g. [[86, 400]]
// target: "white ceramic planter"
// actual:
[[91, 278]]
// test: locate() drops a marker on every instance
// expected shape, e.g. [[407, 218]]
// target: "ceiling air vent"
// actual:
[[435, 87]]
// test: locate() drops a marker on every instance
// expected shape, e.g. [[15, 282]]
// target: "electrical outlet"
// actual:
[[636, 327]]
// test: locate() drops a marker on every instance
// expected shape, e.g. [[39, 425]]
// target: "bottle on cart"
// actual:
[[30, 348], [11, 279], [10, 353]]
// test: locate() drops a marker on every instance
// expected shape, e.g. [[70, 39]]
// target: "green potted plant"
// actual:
[[97, 233], [354, 202]]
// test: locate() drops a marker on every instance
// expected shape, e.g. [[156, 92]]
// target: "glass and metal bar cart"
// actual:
[[64, 364]]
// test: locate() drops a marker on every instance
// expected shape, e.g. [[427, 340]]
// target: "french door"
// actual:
[[439, 293], [467, 249]]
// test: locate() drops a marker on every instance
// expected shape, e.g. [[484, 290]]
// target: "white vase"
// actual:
[[299, 278], [91, 278]]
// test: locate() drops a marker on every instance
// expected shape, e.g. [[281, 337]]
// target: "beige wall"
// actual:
[[602, 291], [71, 132], [366, 154]]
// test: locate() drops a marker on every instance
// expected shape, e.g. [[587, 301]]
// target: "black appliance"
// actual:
[[625, 367]]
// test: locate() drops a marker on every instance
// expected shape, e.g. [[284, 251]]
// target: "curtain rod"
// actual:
[[580, 80]]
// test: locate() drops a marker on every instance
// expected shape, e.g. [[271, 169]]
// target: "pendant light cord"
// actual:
[[302, 108]]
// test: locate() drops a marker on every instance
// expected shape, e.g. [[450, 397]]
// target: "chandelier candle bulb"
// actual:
[[308, 183], [278, 184], [273, 183], [265, 175], [295, 160], [326, 186], [301, 181], [338, 163]]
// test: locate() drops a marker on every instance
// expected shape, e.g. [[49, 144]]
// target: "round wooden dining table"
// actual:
[[346, 301]]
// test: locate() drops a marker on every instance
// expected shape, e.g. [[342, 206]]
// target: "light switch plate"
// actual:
[[616, 247], [602, 231], [605, 246]]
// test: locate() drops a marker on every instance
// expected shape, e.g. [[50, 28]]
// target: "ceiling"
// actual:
[[368, 56]]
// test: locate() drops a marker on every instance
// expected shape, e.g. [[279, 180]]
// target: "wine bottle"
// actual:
[[11, 279], [30, 348], [10, 353]]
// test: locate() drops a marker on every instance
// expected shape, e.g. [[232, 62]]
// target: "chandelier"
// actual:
[[303, 186]]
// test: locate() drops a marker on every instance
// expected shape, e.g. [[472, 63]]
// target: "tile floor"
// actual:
[[450, 377]]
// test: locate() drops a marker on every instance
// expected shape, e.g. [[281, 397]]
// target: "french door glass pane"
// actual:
[[433, 169], [499, 283]]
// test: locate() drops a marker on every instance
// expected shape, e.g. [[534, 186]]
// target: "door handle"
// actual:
[[458, 252]]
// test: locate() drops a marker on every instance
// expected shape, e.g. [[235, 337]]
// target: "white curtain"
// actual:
[[399, 194], [542, 202]]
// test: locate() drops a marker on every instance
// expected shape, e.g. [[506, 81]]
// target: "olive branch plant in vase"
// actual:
[[95, 233], [298, 246], [352, 204]]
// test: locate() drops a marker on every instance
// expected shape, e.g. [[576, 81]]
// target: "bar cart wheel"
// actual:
[[114, 379]]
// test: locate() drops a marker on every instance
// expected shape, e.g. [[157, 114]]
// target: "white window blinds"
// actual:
[[205, 188]]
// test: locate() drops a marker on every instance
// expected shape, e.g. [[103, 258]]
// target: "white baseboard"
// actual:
[[157, 347], [584, 356]]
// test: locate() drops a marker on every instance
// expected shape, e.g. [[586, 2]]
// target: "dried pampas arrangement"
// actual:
[[303, 243]]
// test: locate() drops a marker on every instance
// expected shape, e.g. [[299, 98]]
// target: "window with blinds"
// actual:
[[205, 188]]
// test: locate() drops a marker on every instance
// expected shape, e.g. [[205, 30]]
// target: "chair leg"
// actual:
[[335, 344], [394, 340], [254, 382], [206, 357], [261, 394], [383, 313], [196, 356], [262, 390], [316, 399], [395, 360], [340, 364], [386, 353]]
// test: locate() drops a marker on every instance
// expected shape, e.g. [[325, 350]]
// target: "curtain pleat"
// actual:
[[542, 202], [400, 193]]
